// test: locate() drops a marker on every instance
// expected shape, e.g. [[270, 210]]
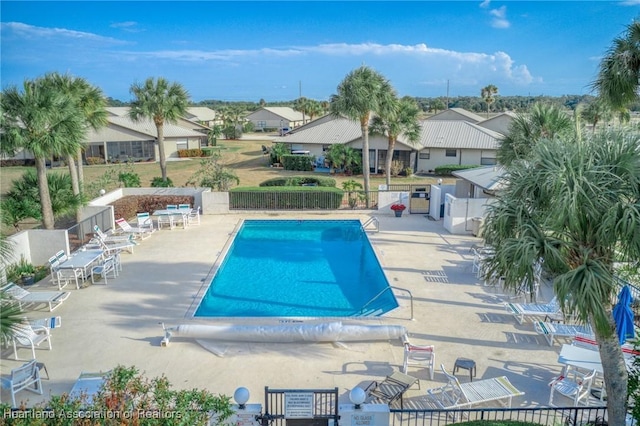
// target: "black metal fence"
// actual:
[[307, 200], [323, 405], [549, 416], [82, 232]]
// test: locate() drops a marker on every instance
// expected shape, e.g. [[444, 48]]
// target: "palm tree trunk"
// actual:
[[163, 160], [80, 167], [365, 158], [388, 160], [43, 189], [615, 376], [75, 186]]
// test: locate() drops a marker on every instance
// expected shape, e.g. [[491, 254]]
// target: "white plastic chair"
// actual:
[[419, 356], [144, 221], [103, 269], [27, 336], [25, 377], [172, 207], [577, 388], [194, 216]]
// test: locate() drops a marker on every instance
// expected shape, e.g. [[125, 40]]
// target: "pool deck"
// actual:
[[120, 323]]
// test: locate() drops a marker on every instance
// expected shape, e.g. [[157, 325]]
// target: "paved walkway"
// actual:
[[120, 323]]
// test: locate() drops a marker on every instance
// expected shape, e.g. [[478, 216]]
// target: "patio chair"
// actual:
[[137, 232], [26, 298], [184, 206], [578, 387], [390, 390], [25, 377], [523, 311], [145, 221], [551, 330], [111, 248], [49, 323], [165, 220], [87, 386], [103, 269], [419, 356], [109, 238], [465, 395], [27, 336], [172, 207], [193, 217]]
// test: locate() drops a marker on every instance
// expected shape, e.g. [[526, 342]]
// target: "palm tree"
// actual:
[[91, 102], [596, 111], [302, 104], [619, 71], [161, 102], [362, 92], [314, 109], [542, 122], [44, 121], [573, 204], [399, 118], [487, 93]]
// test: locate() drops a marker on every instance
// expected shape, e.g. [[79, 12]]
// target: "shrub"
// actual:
[[285, 198], [92, 161], [189, 153], [128, 206], [448, 168], [129, 179], [396, 167], [299, 181], [157, 182], [301, 163], [209, 151]]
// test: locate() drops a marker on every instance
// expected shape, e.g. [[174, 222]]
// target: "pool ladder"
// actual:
[[383, 291], [372, 221]]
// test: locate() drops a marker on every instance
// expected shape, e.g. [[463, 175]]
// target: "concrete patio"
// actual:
[[120, 323]]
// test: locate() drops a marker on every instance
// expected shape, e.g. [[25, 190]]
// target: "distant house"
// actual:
[[499, 123], [275, 118], [442, 141], [202, 115], [457, 114]]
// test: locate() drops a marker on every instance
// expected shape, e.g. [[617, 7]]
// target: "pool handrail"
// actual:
[[383, 291], [372, 220]]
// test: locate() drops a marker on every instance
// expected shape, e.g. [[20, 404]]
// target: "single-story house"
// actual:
[[442, 142], [202, 115], [499, 123], [457, 114], [479, 182], [279, 118]]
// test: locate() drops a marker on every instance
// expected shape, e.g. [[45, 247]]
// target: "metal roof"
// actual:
[[201, 113], [285, 112], [147, 127], [463, 113], [488, 178], [434, 134]]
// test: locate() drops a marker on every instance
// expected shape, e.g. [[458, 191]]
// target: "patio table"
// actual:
[[83, 260], [172, 214]]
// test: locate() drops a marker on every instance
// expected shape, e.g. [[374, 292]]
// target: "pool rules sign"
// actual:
[[298, 405]]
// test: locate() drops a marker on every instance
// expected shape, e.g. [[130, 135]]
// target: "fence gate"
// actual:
[[300, 407], [419, 196]]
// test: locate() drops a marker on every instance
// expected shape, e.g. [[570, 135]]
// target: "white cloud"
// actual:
[[630, 3], [128, 26], [485, 4], [499, 18], [27, 32]]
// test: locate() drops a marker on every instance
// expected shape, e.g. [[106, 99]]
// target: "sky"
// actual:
[[279, 51]]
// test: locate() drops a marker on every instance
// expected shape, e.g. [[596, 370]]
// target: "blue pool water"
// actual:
[[294, 268]]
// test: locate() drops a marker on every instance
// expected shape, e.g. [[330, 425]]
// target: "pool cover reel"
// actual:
[[331, 332]]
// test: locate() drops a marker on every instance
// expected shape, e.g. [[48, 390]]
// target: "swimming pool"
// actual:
[[298, 268]]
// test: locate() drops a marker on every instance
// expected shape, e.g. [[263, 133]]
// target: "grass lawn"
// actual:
[[244, 157]]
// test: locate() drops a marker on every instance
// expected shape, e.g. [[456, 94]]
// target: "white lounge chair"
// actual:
[[465, 395], [137, 232], [390, 390], [522, 311], [25, 377], [113, 247], [87, 386], [49, 323], [110, 238], [419, 356], [145, 221], [551, 330], [26, 298], [27, 336], [578, 387]]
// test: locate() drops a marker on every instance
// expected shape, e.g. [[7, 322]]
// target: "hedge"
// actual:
[[194, 152], [301, 163], [285, 198], [299, 181], [128, 206], [448, 168]]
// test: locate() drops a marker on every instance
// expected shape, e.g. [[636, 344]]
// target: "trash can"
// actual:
[[476, 226]]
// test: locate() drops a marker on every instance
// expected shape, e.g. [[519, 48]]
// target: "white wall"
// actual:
[[38, 245], [437, 158], [459, 212], [215, 202], [386, 199]]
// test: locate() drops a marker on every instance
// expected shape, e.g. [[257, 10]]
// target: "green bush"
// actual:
[[157, 182], [91, 161], [299, 181], [285, 198], [209, 151], [448, 168], [129, 179], [301, 163]]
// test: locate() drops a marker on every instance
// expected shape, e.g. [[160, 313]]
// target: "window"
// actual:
[[326, 147], [451, 153], [424, 155], [181, 145], [261, 124], [488, 158]]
